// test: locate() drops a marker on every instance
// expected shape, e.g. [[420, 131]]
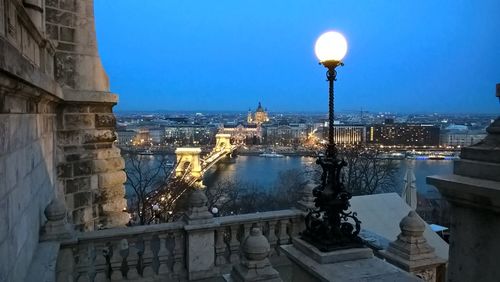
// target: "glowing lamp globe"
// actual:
[[330, 48]]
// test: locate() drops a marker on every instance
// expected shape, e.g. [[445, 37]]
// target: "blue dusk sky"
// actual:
[[226, 55]]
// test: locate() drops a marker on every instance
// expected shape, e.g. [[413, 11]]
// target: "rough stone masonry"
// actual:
[[56, 126]]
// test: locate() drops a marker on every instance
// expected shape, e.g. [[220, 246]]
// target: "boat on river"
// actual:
[[271, 155]]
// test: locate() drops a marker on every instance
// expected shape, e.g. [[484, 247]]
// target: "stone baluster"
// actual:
[[163, 255], [81, 262], [107, 256], [234, 245], [155, 243], [123, 270], [91, 257], [137, 259], [411, 252], [246, 230], [178, 253], [220, 247], [115, 260], [271, 236], [255, 265], [149, 257], [297, 225], [284, 239]]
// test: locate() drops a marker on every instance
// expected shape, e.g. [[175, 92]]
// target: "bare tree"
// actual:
[[155, 194], [366, 172]]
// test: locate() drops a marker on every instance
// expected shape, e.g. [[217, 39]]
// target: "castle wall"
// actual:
[[28, 102], [56, 127]]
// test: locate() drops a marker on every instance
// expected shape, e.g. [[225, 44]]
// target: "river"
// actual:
[[263, 172]]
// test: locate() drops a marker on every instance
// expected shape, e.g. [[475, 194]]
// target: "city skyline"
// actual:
[[180, 58]]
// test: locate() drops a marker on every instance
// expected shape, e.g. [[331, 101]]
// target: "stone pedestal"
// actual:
[[57, 227], [411, 252], [473, 192], [358, 264], [255, 265]]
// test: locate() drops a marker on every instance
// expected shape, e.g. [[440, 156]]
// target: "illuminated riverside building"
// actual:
[[462, 138], [286, 134], [181, 135], [403, 135], [346, 134], [125, 137], [250, 134]]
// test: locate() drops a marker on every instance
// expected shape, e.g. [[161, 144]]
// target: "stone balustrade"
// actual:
[[159, 251]]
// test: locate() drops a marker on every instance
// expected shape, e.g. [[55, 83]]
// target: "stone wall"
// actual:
[[28, 101], [56, 127], [90, 168]]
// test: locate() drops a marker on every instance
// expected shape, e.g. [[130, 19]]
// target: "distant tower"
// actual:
[[410, 189], [249, 116]]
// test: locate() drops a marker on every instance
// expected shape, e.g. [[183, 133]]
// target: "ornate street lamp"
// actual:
[[330, 226]]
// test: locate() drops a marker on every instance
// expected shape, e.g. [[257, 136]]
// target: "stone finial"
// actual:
[[411, 252], [198, 209], [57, 227], [306, 203], [255, 265]]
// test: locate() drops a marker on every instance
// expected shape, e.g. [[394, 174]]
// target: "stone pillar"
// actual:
[[200, 240], [90, 167], [473, 192], [411, 252], [255, 265]]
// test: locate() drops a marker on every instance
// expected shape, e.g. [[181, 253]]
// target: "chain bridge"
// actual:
[[191, 167]]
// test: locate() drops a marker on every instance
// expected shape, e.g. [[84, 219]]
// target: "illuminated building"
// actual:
[[403, 135], [249, 134], [286, 134], [462, 138], [181, 135], [259, 117], [346, 134], [125, 137]]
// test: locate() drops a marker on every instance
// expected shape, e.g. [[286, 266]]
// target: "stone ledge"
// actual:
[[477, 169], [468, 191], [125, 232], [14, 64], [371, 269], [334, 256], [81, 96]]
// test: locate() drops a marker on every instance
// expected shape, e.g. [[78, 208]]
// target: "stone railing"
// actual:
[[159, 251], [124, 253], [277, 226]]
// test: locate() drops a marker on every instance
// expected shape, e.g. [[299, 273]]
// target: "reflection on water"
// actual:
[[263, 172]]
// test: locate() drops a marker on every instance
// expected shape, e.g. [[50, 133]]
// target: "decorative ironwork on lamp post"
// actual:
[[331, 226]]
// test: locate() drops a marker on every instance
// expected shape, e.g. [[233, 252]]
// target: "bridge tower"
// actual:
[[188, 158], [223, 142]]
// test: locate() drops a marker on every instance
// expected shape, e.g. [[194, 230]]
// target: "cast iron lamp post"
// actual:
[[330, 226]]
